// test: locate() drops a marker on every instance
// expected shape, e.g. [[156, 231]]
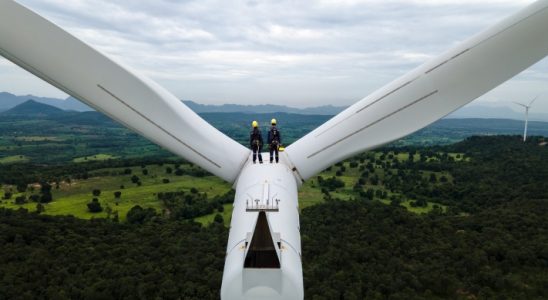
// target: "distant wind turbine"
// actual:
[[527, 107]]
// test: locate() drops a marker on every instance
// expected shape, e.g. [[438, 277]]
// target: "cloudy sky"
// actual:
[[297, 53]]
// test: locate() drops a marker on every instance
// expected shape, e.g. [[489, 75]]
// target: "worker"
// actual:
[[274, 140], [256, 142]]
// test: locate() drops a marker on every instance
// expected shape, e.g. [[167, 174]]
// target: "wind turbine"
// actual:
[[263, 256], [527, 107]]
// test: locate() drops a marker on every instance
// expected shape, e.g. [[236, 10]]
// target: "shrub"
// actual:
[[20, 200], [46, 197], [138, 215], [218, 219], [40, 208], [94, 206]]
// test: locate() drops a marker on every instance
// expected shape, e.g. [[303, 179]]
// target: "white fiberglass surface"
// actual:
[[57, 57], [427, 93]]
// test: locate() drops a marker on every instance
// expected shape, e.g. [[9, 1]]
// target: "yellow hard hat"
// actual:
[[254, 124], [273, 122]]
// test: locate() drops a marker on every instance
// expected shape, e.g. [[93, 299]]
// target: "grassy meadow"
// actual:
[[70, 197]]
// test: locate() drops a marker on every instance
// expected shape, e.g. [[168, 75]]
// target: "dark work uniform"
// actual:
[[274, 141], [256, 144]]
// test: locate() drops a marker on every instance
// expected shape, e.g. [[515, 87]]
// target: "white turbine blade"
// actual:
[[427, 93], [59, 58], [520, 104]]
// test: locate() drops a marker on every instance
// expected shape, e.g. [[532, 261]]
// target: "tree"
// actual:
[[46, 197], [117, 194], [218, 219], [165, 180], [419, 203], [145, 172], [20, 200], [330, 184], [45, 187], [134, 179], [169, 170], [115, 217], [40, 208], [21, 187], [94, 206], [138, 215], [96, 192], [45, 190]]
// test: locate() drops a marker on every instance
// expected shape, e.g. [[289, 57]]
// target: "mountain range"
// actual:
[[33, 108], [235, 124], [264, 108], [8, 101]]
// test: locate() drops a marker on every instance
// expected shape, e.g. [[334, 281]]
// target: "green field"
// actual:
[[71, 196], [39, 139], [96, 157], [310, 192], [14, 159]]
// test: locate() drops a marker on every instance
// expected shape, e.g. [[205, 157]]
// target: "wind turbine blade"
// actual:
[[532, 101], [520, 104], [59, 58], [427, 93]]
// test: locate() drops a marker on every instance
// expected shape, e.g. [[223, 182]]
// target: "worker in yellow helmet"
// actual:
[[256, 142], [274, 141]]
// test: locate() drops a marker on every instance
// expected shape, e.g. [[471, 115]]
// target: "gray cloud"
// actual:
[[299, 53]]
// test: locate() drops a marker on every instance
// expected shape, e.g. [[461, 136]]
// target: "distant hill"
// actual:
[[72, 104], [495, 112], [46, 134], [263, 108], [33, 108], [478, 111], [8, 101]]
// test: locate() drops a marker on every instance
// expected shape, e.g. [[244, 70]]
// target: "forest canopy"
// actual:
[[490, 240]]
